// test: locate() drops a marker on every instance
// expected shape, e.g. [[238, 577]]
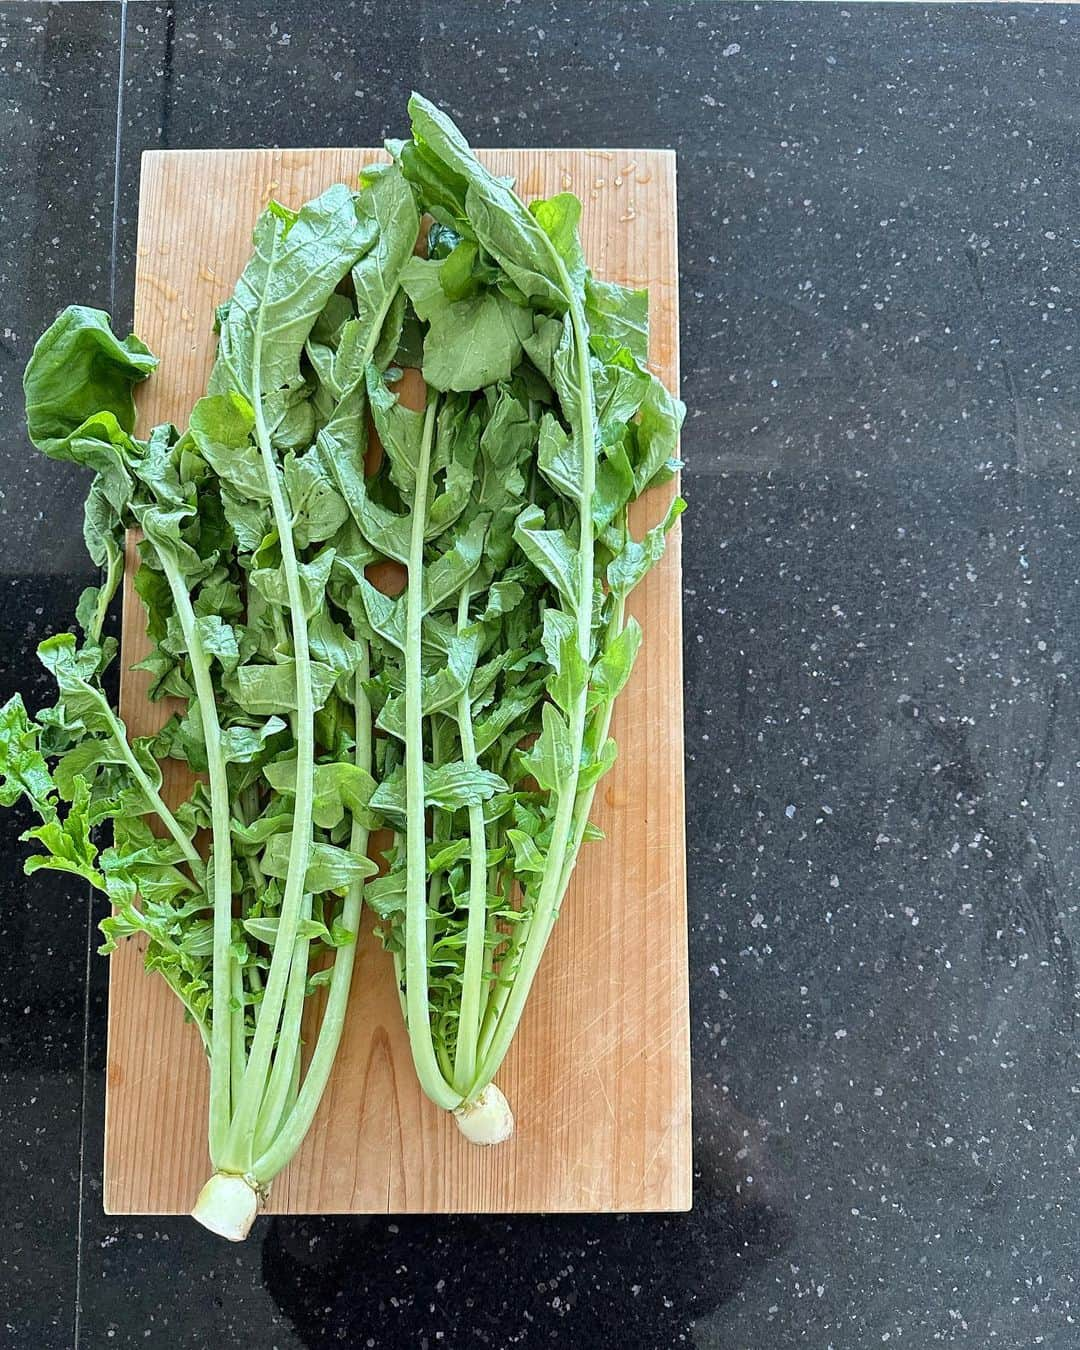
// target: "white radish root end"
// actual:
[[488, 1119], [227, 1205]]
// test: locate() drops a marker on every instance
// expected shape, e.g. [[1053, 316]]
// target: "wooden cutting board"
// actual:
[[599, 1073]]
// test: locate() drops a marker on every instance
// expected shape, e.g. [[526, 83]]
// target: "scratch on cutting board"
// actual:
[[656, 1150], [603, 1093]]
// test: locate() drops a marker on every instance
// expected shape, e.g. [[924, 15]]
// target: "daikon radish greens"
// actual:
[[428, 637], [246, 528], [505, 501]]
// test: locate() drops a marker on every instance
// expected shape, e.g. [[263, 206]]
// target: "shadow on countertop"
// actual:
[[638, 1280]]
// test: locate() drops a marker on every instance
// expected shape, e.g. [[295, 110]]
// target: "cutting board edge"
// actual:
[[679, 1187], [666, 151]]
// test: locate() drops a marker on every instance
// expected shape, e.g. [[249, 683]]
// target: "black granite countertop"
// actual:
[[879, 237]]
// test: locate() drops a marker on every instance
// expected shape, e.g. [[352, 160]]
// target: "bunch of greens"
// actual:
[[468, 712], [245, 527], [500, 662]]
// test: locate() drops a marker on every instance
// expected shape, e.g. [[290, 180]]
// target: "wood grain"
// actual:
[[599, 1071]]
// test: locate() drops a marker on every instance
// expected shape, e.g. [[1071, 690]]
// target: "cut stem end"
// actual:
[[486, 1120], [227, 1205]]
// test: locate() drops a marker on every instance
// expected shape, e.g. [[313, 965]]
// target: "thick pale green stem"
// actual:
[[472, 982], [221, 1034], [236, 1019], [500, 988], [431, 1076], [301, 1113], [584, 802], [287, 1051], [552, 887], [241, 1141]]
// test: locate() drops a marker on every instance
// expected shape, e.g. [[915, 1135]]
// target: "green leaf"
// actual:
[[75, 670], [318, 508], [594, 769], [459, 276], [441, 856], [513, 709], [628, 567], [559, 217], [298, 262], [453, 785], [457, 444], [265, 930], [550, 552], [218, 640], [386, 202], [338, 788], [444, 578], [329, 868], [103, 526], [620, 385], [330, 644], [164, 535], [527, 857], [68, 845], [250, 838], [77, 370], [272, 582], [470, 343], [502, 598], [550, 760], [385, 615], [554, 351], [387, 533], [569, 675], [341, 444], [497, 216], [249, 521], [657, 435], [612, 670], [449, 787], [385, 896], [616, 312], [560, 459], [243, 745], [614, 487], [266, 690], [221, 427], [437, 691], [400, 431], [23, 771]]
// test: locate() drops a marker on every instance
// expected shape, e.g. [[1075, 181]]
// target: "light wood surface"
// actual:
[[599, 1072]]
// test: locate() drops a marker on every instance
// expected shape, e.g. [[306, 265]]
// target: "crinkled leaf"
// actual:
[[628, 567], [611, 672], [23, 771], [77, 370], [470, 343], [265, 690], [338, 788]]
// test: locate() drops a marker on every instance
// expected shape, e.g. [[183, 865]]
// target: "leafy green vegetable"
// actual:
[[472, 342], [243, 518], [487, 649], [573, 427]]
